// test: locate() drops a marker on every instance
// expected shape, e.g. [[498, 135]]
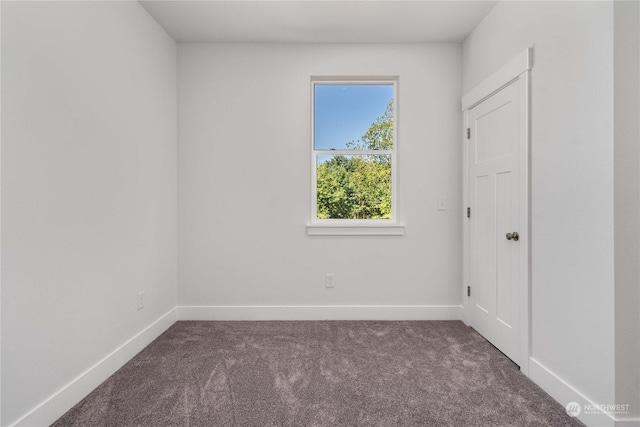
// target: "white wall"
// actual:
[[572, 283], [244, 184], [88, 190], [0, 214], [627, 202]]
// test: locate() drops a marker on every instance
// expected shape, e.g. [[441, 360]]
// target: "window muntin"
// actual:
[[353, 151]]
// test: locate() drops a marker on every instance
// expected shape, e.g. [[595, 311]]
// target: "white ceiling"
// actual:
[[313, 21]]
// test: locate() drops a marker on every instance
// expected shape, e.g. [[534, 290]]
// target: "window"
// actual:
[[353, 156]]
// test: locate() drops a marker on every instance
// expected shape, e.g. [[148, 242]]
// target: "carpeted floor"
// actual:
[[368, 373]]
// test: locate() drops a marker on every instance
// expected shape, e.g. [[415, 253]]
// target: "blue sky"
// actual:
[[343, 113]]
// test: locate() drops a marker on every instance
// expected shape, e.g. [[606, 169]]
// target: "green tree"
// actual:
[[359, 186], [379, 136]]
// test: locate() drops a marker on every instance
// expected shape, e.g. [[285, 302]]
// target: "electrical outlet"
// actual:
[[140, 300], [329, 280]]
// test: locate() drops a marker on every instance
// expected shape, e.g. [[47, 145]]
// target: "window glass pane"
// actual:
[[354, 187], [353, 117]]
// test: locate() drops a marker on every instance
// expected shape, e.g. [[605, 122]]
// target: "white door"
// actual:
[[493, 220]]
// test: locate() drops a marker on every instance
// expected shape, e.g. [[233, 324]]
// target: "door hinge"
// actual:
[[468, 212], [468, 291], [468, 133]]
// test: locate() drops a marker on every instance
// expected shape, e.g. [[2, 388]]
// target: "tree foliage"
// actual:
[[359, 186]]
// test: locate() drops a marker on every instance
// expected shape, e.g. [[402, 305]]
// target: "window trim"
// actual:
[[355, 227]]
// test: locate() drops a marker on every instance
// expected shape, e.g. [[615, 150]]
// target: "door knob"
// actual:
[[513, 236]]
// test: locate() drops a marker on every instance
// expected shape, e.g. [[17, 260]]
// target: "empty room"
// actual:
[[320, 213]]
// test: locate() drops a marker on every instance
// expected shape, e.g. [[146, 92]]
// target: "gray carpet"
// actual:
[[371, 373]]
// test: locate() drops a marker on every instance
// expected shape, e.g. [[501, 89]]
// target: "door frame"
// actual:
[[517, 71]]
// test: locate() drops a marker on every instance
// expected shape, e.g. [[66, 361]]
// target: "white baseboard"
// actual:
[[565, 394], [342, 312], [64, 399]]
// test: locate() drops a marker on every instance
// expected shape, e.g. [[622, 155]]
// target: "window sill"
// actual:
[[354, 230]]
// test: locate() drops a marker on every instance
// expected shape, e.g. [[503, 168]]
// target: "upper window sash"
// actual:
[[329, 86]]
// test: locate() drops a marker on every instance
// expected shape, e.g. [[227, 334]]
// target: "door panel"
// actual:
[[494, 197], [489, 123], [504, 278], [484, 238]]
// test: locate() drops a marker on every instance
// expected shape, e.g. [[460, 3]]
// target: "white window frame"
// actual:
[[355, 227]]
